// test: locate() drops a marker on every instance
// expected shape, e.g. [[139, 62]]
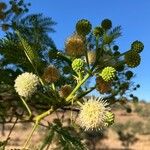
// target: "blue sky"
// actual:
[[132, 15]]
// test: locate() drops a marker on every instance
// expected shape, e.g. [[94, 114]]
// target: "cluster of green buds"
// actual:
[[3, 6], [98, 31], [106, 24], [137, 46], [89, 53], [108, 74], [132, 58], [78, 65], [103, 60], [83, 27]]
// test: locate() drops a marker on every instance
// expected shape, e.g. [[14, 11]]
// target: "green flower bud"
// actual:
[[109, 118], [115, 47], [2, 15], [106, 24], [77, 65], [98, 31], [137, 46], [3, 5], [83, 27], [131, 95], [108, 74], [5, 27], [132, 59], [129, 75]]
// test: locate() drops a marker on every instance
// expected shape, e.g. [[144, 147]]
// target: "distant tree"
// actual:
[[34, 28]]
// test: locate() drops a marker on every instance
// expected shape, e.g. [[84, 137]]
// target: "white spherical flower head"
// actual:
[[26, 84], [92, 114]]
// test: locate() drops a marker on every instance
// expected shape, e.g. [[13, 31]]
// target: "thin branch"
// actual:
[[8, 137]]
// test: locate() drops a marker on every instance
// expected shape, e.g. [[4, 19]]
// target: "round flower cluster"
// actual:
[[2, 15], [91, 57], [137, 46], [83, 27], [93, 113], [65, 91], [102, 86], [75, 46], [132, 59], [106, 24], [5, 27], [26, 84], [108, 74], [51, 74], [2, 6], [98, 31], [77, 64], [115, 47], [129, 75]]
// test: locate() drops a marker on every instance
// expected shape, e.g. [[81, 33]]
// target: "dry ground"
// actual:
[[111, 141]]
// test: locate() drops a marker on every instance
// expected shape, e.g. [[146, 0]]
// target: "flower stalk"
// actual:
[[71, 95], [27, 107], [37, 121]]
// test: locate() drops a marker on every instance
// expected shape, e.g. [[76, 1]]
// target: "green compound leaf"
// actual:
[[68, 141], [29, 52], [48, 139]]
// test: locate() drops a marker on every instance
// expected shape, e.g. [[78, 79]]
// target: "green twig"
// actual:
[[8, 137], [53, 87], [77, 87], [79, 103], [86, 92], [30, 135], [115, 57], [27, 107], [37, 121]]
